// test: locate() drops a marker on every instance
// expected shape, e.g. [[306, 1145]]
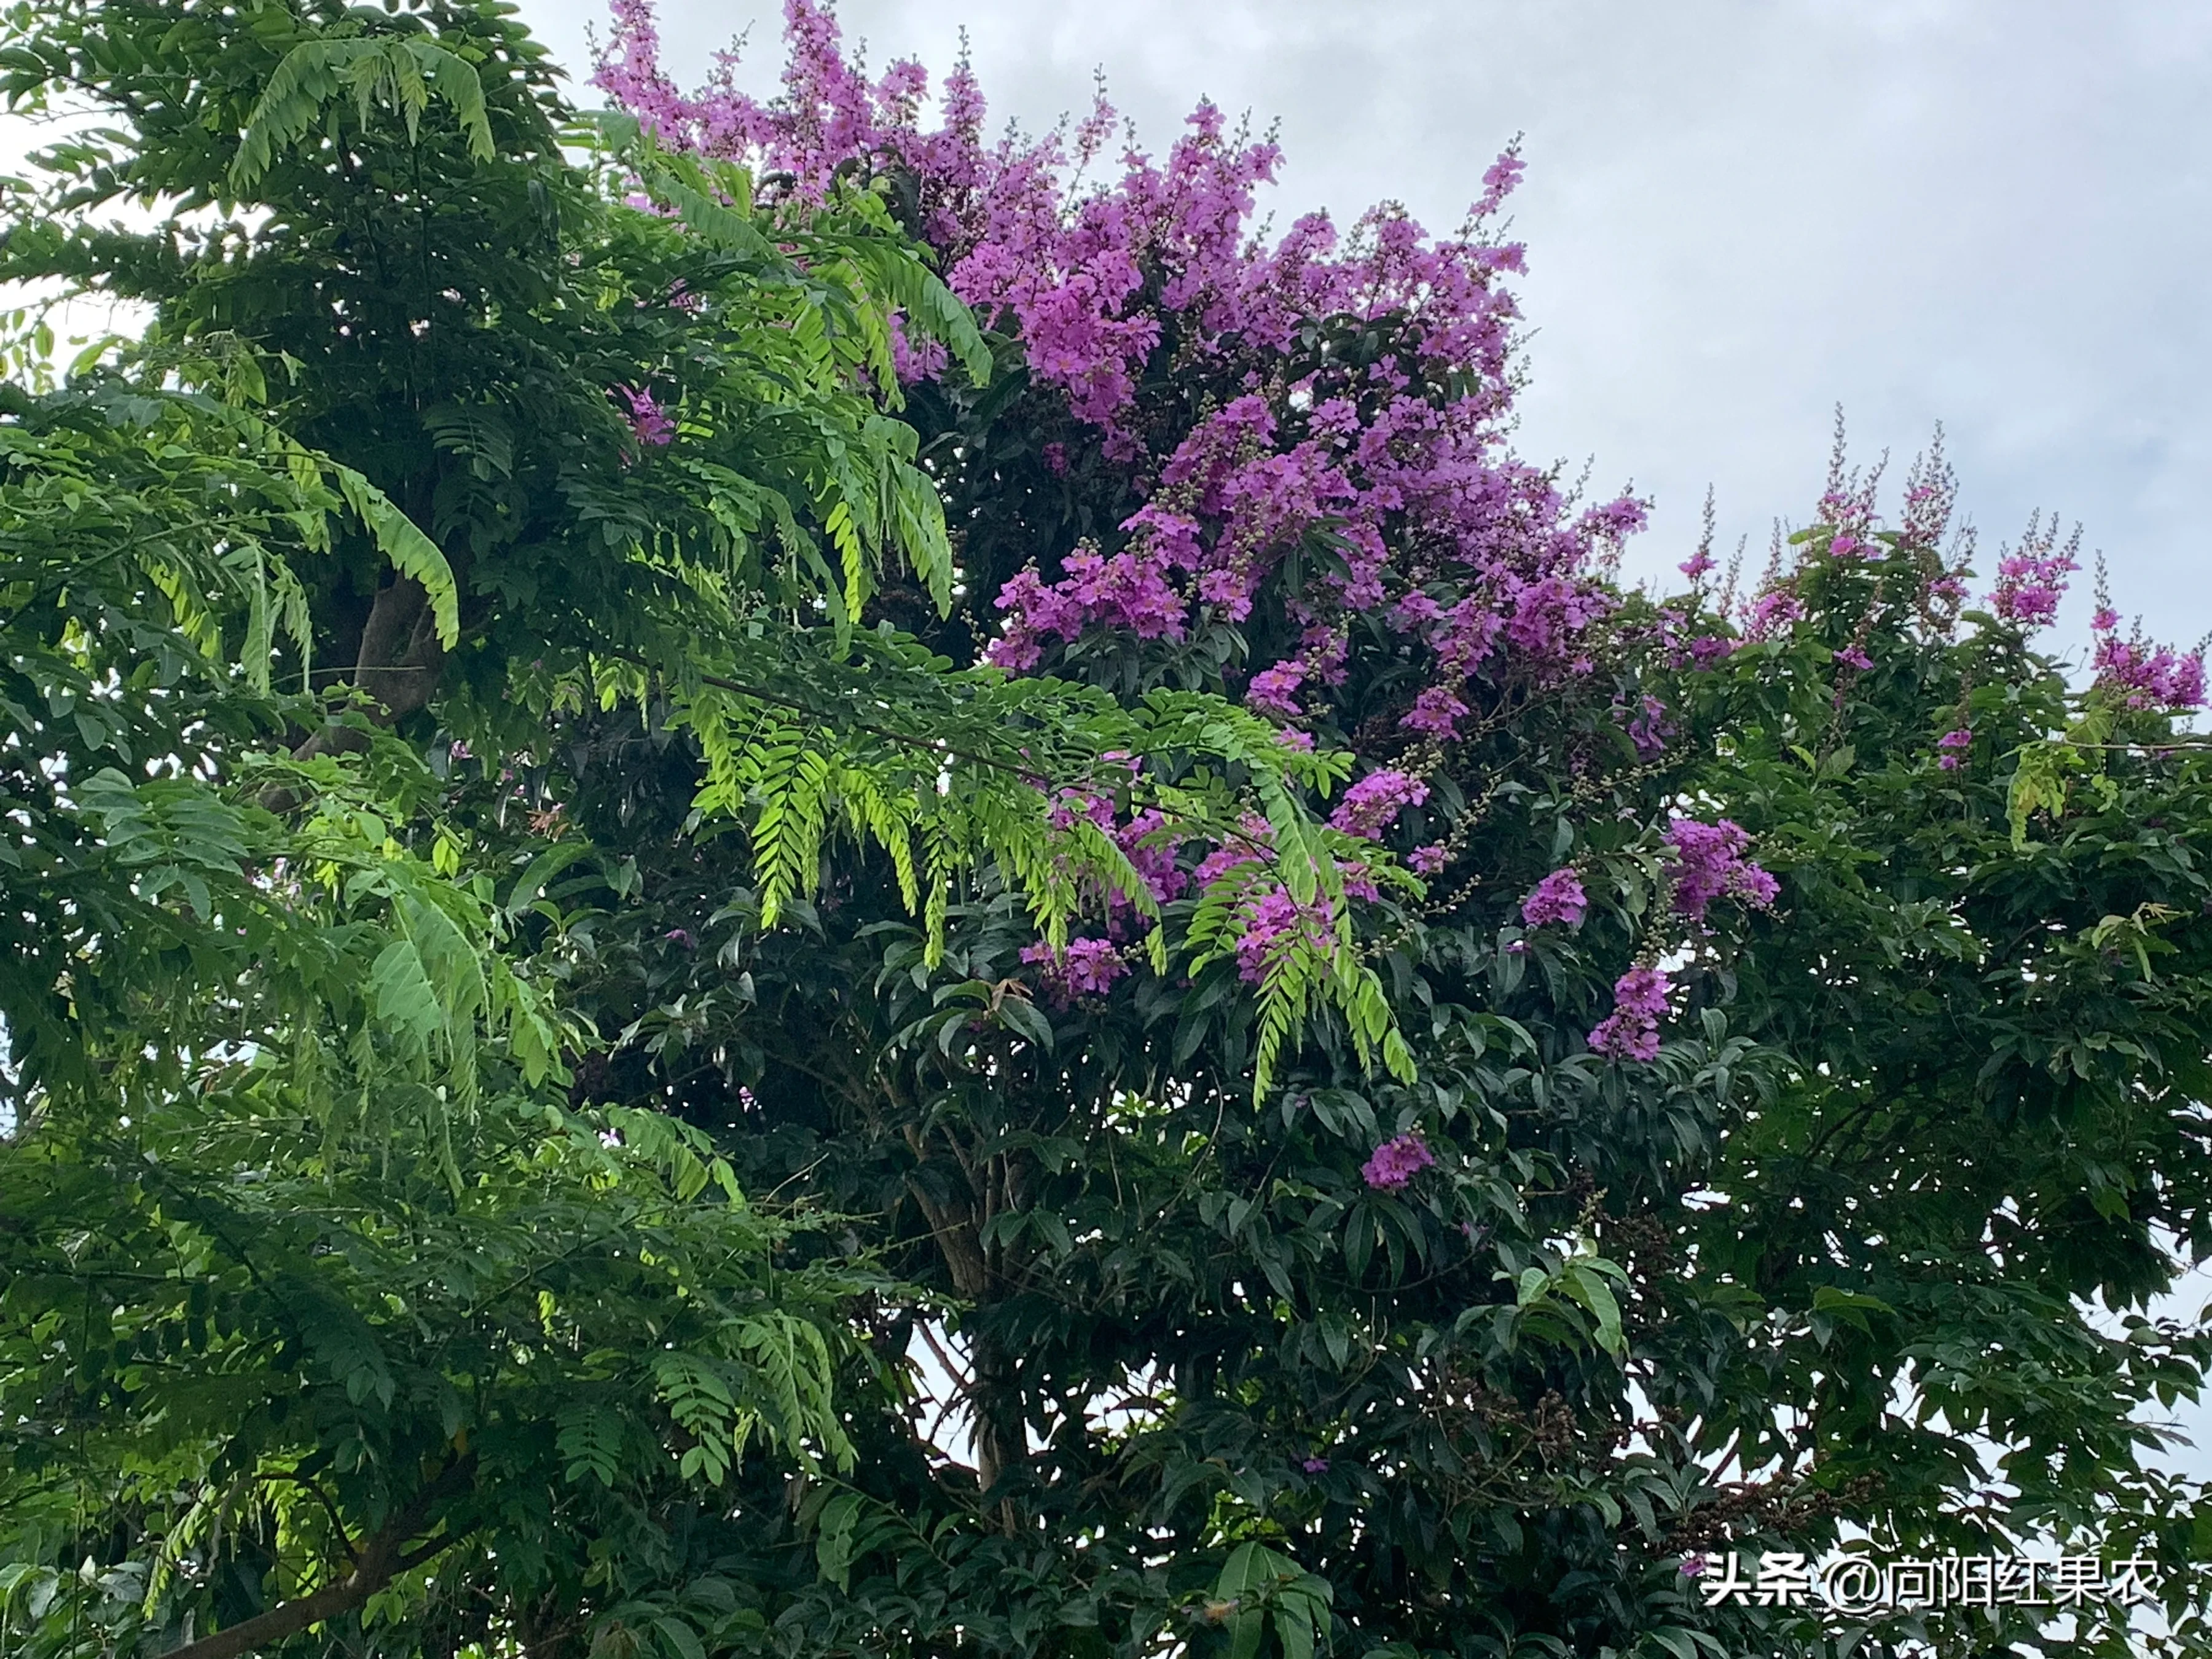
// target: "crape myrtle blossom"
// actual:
[[647, 419], [2143, 676], [1355, 396], [2136, 673], [1397, 1162], [1372, 805], [2032, 578], [1630, 1031], [1952, 748], [1415, 497], [1274, 925], [1558, 898], [1088, 967], [1710, 861]]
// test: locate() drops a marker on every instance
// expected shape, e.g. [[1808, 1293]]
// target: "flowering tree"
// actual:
[[1804, 985], [1415, 1098]]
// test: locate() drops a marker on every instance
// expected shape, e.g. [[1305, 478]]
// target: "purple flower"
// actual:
[[1630, 1031], [1774, 612], [1371, 805], [2143, 676], [679, 936], [1314, 1465], [1428, 860], [1558, 898], [1397, 1162], [1709, 861], [1274, 925], [1092, 282], [1853, 657], [1088, 967], [1650, 728], [1954, 744], [647, 418], [2032, 580], [1694, 1566], [1273, 690]]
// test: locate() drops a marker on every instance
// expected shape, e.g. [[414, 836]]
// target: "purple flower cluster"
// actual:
[[1428, 860], [1373, 803], [1397, 1162], [1630, 1031], [1275, 924], [1954, 745], [1124, 592], [1091, 280], [1087, 968], [1773, 613], [2144, 676], [1144, 842], [1931, 492], [2032, 578], [646, 416], [1710, 861], [1650, 729], [1558, 898]]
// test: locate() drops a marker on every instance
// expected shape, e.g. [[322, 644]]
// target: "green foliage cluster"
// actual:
[[519, 1028]]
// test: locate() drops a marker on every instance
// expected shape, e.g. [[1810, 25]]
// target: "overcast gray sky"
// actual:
[[1739, 213]]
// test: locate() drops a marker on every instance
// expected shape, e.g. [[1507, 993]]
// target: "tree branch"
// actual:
[[383, 1559]]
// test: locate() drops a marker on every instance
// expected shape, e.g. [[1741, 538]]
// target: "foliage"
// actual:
[[1790, 1089], [321, 1305], [1788, 995], [319, 1381]]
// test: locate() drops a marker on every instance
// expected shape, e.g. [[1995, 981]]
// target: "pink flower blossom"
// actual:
[[1650, 728], [1559, 897], [1276, 924], [1092, 279], [647, 418], [1773, 613], [1709, 861], [2032, 579], [1371, 805], [2143, 676], [1088, 967], [1630, 1031], [1397, 1162]]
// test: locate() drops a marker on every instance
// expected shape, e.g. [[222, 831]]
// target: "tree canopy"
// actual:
[[676, 768]]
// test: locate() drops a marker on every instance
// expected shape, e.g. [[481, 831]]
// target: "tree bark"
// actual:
[[381, 1560]]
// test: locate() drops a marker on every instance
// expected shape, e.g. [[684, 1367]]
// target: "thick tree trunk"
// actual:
[[398, 661], [400, 656]]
